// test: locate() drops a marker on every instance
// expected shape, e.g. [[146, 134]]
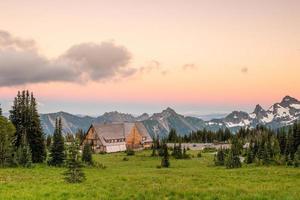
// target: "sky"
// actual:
[[136, 56]]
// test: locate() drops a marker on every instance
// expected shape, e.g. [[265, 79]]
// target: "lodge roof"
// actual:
[[113, 131]]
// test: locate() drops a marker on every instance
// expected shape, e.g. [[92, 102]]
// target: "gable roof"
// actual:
[[109, 131], [119, 130]]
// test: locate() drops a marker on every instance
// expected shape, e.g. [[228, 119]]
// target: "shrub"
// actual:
[[209, 150], [199, 154], [130, 152], [125, 159], [99, 165]]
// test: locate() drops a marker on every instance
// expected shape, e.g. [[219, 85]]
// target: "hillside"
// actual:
[[278, 115]]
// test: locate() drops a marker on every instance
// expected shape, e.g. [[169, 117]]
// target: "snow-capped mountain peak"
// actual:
[[287, 101], [258, 109]]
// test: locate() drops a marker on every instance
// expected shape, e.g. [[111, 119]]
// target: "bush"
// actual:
[[209, 150], [130, 152], [125, 159], [199, 154], [99, 165]]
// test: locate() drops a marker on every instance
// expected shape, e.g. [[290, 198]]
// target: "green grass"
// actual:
[[139, 178]]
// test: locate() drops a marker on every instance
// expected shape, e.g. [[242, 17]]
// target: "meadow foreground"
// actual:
[[139, 178]]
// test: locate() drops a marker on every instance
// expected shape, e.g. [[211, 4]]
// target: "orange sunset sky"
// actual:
[[135, 56]]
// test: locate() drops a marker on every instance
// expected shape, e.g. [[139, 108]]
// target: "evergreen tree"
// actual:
[[297, 158], [172, 136], [233, 160], [249, 155], [57, 151], [219, 158], [266, 155], [80, 135], [87, 154], [0, 110], [74, 173], [276, 151], [184, 154], [7, 131], [23, 156], [281, 135], [26, 119], [296, 136], [289, 146], [251, 152], [48, 141], [165, 159], [153, 150]]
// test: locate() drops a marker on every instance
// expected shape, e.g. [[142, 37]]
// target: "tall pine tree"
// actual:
[[26, 119], [57, 150]]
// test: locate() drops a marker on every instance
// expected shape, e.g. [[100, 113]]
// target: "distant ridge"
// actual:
[[279, 114]]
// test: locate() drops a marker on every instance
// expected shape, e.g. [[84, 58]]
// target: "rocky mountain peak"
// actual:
[[287, 100], [169, 110], [143, 117], [258, 109]]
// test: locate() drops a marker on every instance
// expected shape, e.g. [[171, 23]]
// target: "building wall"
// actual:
[[91, 139], [134, 139], [116, 148]]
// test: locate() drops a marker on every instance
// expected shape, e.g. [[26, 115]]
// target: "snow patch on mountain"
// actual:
[[296, 106]]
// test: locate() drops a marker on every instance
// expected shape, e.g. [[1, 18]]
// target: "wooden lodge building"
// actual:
[[115, 137]]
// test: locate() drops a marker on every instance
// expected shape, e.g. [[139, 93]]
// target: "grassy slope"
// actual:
[[139, 178]]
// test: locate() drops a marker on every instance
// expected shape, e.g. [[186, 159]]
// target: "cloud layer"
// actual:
[[20, 62]]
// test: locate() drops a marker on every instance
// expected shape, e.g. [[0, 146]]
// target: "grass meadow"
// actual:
[[139, 178]]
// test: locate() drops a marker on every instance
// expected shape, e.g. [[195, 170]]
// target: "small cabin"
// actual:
[[116, 137]]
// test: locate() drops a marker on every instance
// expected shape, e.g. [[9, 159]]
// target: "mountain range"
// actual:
[[278, 115]]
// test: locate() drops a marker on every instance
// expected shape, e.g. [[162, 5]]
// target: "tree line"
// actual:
[[262, 146], [22, 141], [200, 136]]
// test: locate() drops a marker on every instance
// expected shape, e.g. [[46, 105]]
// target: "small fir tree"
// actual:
[[165, 159], [87, 156], [153, 150], [219, 158], [185, 155], [233, 159], [266, 155], [276, 151], [80, 135], [74, 173]]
